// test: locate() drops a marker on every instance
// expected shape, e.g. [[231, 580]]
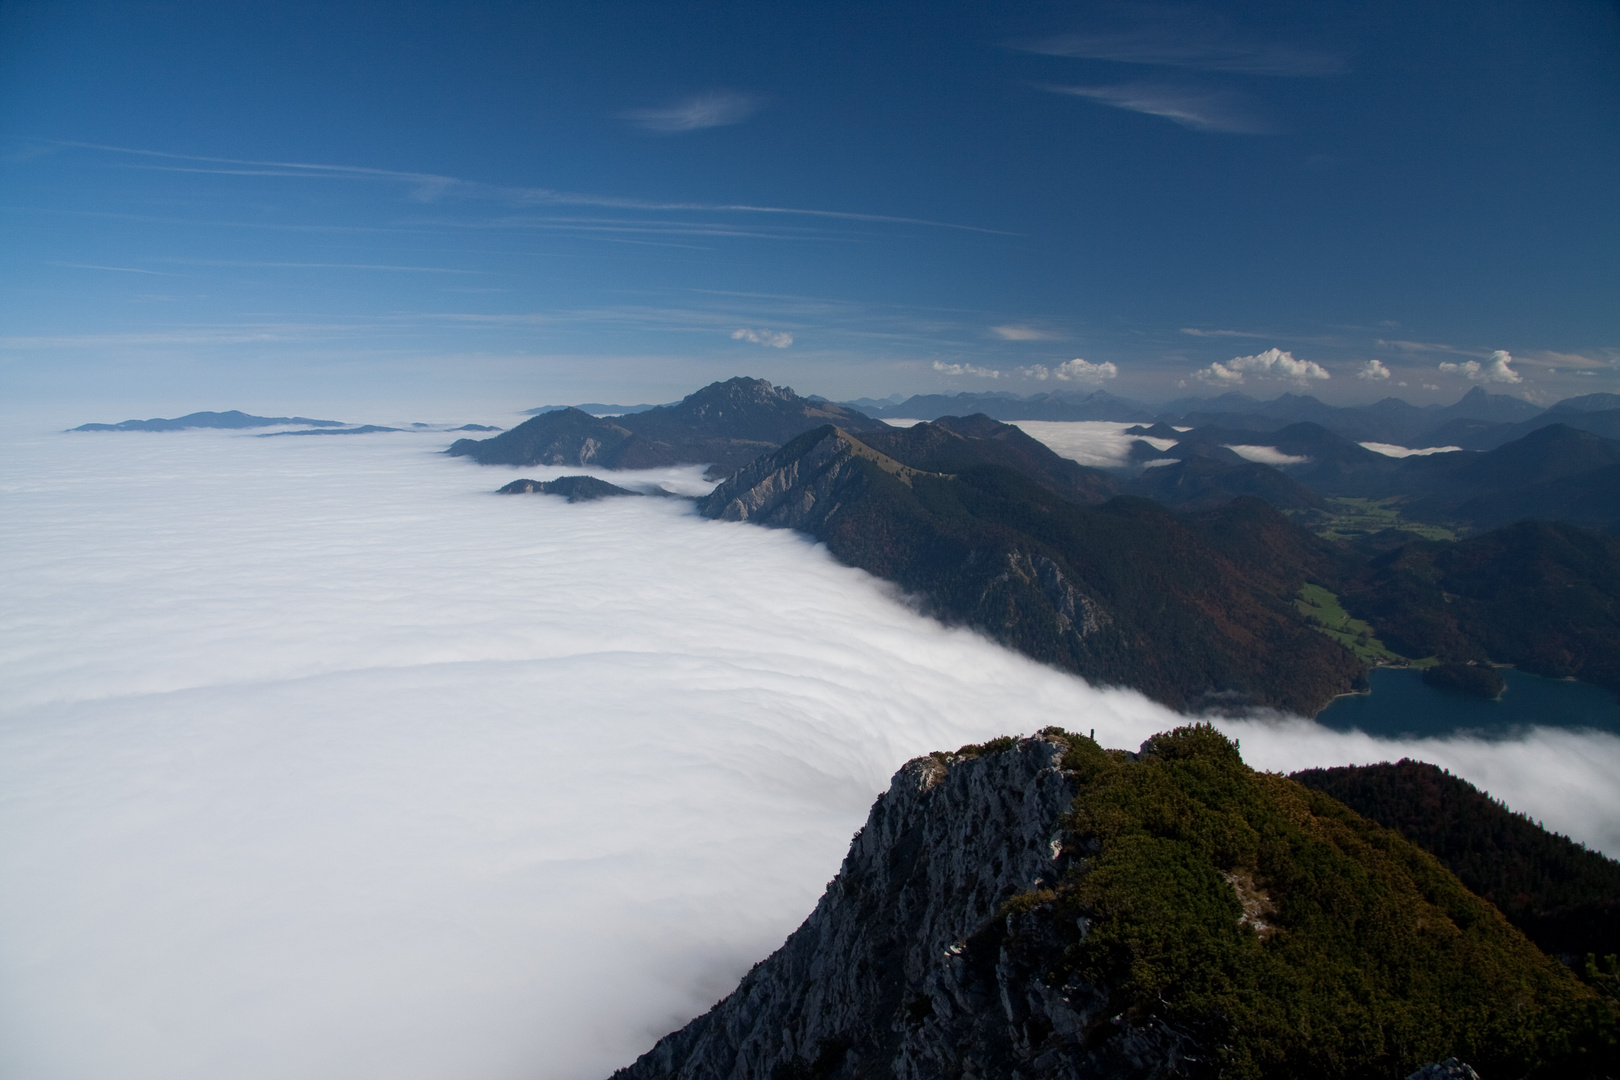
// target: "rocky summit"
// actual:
[[1044, 907], [724, 425]]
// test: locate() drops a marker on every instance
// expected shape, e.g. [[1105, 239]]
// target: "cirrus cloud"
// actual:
[[1199, 107], [1019, 332], [717, 108]]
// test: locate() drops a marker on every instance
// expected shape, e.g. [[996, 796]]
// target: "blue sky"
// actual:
[[208, 205]]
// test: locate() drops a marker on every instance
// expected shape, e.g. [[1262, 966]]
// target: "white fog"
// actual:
[[319, 760]]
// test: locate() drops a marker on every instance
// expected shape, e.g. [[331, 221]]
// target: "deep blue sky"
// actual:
[[232, 205]]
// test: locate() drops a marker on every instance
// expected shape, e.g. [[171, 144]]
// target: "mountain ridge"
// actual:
[[724, 425], [1042, 907]]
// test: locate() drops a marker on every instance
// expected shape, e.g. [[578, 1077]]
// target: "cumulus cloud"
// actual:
[[966, 369], [717, 108], [1494, 370], [1372, 371], [1076, 370], [769, 339], [322, 761], [1272, 364], [1218, 374]]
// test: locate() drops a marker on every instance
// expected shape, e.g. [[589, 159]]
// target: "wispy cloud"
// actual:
[[114, 269], [1192, 331], [1419, 346], [1020, 332], [429, 187], [717, 108], [1199, 107], [770, 339], [249, 264], [1607, 359], [1201, 48]]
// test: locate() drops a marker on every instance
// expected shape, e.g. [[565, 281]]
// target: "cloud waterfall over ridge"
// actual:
[[320, 760]]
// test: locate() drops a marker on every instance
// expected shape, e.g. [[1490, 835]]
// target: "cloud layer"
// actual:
[[320, 760]]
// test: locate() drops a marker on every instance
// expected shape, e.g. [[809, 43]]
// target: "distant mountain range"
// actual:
[[1096, 405], [1479, 421], [725, 425], [1552, 471], [1191, 591], [231, 419]]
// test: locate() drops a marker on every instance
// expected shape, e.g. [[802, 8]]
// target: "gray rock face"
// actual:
[[1449, 1069], [791, 490], [1076, 612], [909, 967]]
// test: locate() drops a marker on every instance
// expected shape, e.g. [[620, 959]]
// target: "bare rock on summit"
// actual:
[[1048, 909], [904, 970]]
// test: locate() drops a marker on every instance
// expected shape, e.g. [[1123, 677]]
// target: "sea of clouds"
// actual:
[[1101, 444], [317, 759]]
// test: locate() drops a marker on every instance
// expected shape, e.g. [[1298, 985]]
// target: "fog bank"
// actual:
[[319, 760]]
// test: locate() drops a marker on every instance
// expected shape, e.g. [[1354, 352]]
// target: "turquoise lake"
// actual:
[[1402, 704]]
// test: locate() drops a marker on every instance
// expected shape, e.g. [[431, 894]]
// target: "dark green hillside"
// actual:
[[1198, 482], [1126, 593], [952, 444], [563, 437], [1292, 936], [1542, 596], [574, 488], [1565, 898]]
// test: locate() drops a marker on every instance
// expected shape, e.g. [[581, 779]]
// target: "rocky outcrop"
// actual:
[[803, 485], [1076, 612], [1449, 1069], [914, 965]]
